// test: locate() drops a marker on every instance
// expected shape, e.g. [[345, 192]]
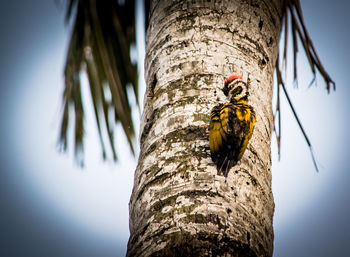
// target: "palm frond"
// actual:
[[300, 32], [292, 8], [102, 34]]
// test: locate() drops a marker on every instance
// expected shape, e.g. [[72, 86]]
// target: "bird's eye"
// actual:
[[236, 91]]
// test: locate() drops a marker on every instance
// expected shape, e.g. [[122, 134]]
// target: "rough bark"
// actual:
[[179, 205]]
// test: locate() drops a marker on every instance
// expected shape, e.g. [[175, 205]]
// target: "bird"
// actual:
[[231, 125]]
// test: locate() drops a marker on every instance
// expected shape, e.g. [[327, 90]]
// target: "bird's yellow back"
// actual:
[[231, 127]]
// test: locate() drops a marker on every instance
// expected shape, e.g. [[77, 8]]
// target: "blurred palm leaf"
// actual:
[[300, 32], [292, 9], [102, 34]]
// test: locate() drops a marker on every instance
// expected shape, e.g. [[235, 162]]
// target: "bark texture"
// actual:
[[179, 205]]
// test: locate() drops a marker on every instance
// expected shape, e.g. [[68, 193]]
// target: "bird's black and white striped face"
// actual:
[[236, 90]]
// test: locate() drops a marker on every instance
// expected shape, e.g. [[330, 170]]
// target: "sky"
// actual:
[[51, 207]]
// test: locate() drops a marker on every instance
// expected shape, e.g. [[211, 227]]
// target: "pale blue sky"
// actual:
[[49, 207]]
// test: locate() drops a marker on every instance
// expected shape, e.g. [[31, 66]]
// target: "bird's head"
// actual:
[[235, 88]]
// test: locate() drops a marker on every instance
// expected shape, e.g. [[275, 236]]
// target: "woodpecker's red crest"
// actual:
[[235, 88]]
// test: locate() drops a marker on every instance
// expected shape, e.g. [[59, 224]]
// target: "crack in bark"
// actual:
[[187, 134]]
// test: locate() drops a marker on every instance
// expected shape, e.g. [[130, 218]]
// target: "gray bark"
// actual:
[[179, 205]]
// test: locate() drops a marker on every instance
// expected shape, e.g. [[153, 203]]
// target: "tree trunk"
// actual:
[[179, 205]]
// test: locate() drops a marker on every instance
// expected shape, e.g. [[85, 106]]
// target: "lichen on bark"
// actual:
[[179, 205]]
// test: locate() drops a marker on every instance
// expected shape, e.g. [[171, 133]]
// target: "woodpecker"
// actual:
[[231, 125]]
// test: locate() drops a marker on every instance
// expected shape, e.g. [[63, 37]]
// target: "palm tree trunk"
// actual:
[[179, 205]]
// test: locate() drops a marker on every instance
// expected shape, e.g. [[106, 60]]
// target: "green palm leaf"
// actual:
[[102, 34]]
